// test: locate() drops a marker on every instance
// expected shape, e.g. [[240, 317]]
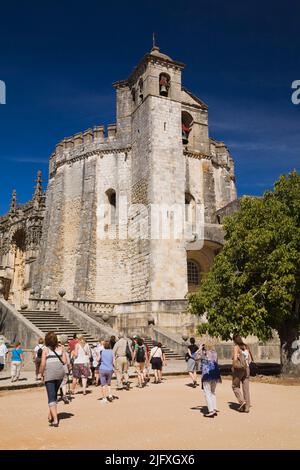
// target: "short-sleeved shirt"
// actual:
[[107, 360], [72, 344], [193, 348], [3, 352], [16, 355], [37, 348]]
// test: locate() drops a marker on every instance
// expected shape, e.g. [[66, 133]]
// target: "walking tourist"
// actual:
[[123, 354], [81, 367], [157, 360], [210, 376], [73, 342], [106, 369], [112, 341], [140, 358], [17, 360], [241, 359], [37, 357], [96, 350], [63, 342], [191, 362], [53, 371], [3, 353]]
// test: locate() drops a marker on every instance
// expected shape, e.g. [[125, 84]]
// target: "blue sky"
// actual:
[[59, 59]]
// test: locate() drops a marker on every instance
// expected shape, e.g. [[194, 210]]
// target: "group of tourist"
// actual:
[[56, 359], [205, 360]]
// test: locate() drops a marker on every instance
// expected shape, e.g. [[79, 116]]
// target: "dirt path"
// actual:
[[165, 416]]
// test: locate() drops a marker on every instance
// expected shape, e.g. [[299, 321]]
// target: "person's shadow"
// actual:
[[202, 409], [234, 406], [64, 415]]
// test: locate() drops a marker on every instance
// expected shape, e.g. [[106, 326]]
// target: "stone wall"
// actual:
[[15, 327]]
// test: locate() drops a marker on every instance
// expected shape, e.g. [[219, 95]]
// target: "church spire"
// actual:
[[38, 191], [13, 204]]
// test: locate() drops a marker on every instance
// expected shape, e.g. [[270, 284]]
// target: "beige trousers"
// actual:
[[241, 377], [121, 370]]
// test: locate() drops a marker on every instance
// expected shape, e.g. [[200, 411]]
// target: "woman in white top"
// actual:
[[157, 360], [81, 365]]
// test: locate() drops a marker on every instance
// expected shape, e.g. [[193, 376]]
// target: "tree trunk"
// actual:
[[290, 349]]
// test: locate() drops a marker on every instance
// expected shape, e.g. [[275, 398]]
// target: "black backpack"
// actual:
[[39, 353], [140, 354]]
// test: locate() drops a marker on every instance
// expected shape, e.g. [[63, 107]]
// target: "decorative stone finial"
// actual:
[[61, 293], [13, 204], [105, 317], [38, 190]]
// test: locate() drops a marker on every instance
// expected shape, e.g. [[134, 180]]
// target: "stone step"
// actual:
[[53, 321]]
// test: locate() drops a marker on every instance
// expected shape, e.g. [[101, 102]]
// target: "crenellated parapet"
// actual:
[[83, 144], [221, 157]]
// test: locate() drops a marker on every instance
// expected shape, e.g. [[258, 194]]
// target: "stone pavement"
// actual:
[[174, 367]]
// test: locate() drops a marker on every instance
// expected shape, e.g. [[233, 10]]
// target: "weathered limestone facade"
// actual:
[[158, 154]]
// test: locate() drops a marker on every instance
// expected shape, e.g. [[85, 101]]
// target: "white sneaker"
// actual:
[[104, 400]]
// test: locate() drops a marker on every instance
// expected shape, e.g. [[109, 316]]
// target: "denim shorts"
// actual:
[[105, 377], [52, 387]]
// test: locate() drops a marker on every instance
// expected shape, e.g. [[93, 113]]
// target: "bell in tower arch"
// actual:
[[164, 84]]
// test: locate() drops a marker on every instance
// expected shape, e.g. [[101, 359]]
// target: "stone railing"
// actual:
[[49, 305], [96, 308], [15, 327]]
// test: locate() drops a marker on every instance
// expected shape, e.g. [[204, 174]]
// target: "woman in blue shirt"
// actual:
[[16, 362], [106, 368]]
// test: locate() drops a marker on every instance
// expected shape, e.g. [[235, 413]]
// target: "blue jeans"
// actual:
[[52, 387]]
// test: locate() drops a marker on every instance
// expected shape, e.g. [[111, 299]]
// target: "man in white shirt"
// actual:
[[3, 353]]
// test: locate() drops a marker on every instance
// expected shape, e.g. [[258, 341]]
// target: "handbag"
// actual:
[[239, 363], [253, 369], [128, 352]]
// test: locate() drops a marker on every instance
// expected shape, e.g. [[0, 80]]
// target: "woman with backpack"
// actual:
[[37, 357], [241, 359], [191, 363], [140, 358], [53, 371], [81, 367], [157, 360]]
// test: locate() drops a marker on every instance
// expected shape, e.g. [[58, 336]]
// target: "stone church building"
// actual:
[[91, 232]]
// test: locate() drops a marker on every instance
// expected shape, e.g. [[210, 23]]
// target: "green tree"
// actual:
[[254, 284]]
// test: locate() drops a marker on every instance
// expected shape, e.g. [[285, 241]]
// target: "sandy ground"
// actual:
[[165, 416]]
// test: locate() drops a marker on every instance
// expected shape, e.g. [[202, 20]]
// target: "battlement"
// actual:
[[81, 142], [86, 138]]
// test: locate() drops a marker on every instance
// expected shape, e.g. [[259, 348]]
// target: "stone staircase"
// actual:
[[53, 321], [150, 343]]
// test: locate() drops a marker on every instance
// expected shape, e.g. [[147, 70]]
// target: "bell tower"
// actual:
[[158, 175]]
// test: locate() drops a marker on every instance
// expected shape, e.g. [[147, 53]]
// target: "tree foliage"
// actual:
[[254, 284]]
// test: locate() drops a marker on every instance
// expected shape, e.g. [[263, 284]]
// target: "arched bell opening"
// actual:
[[164, 84], [187, 124]]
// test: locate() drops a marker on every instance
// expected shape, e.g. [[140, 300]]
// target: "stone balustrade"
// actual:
[[97, 308], [49, 305]]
